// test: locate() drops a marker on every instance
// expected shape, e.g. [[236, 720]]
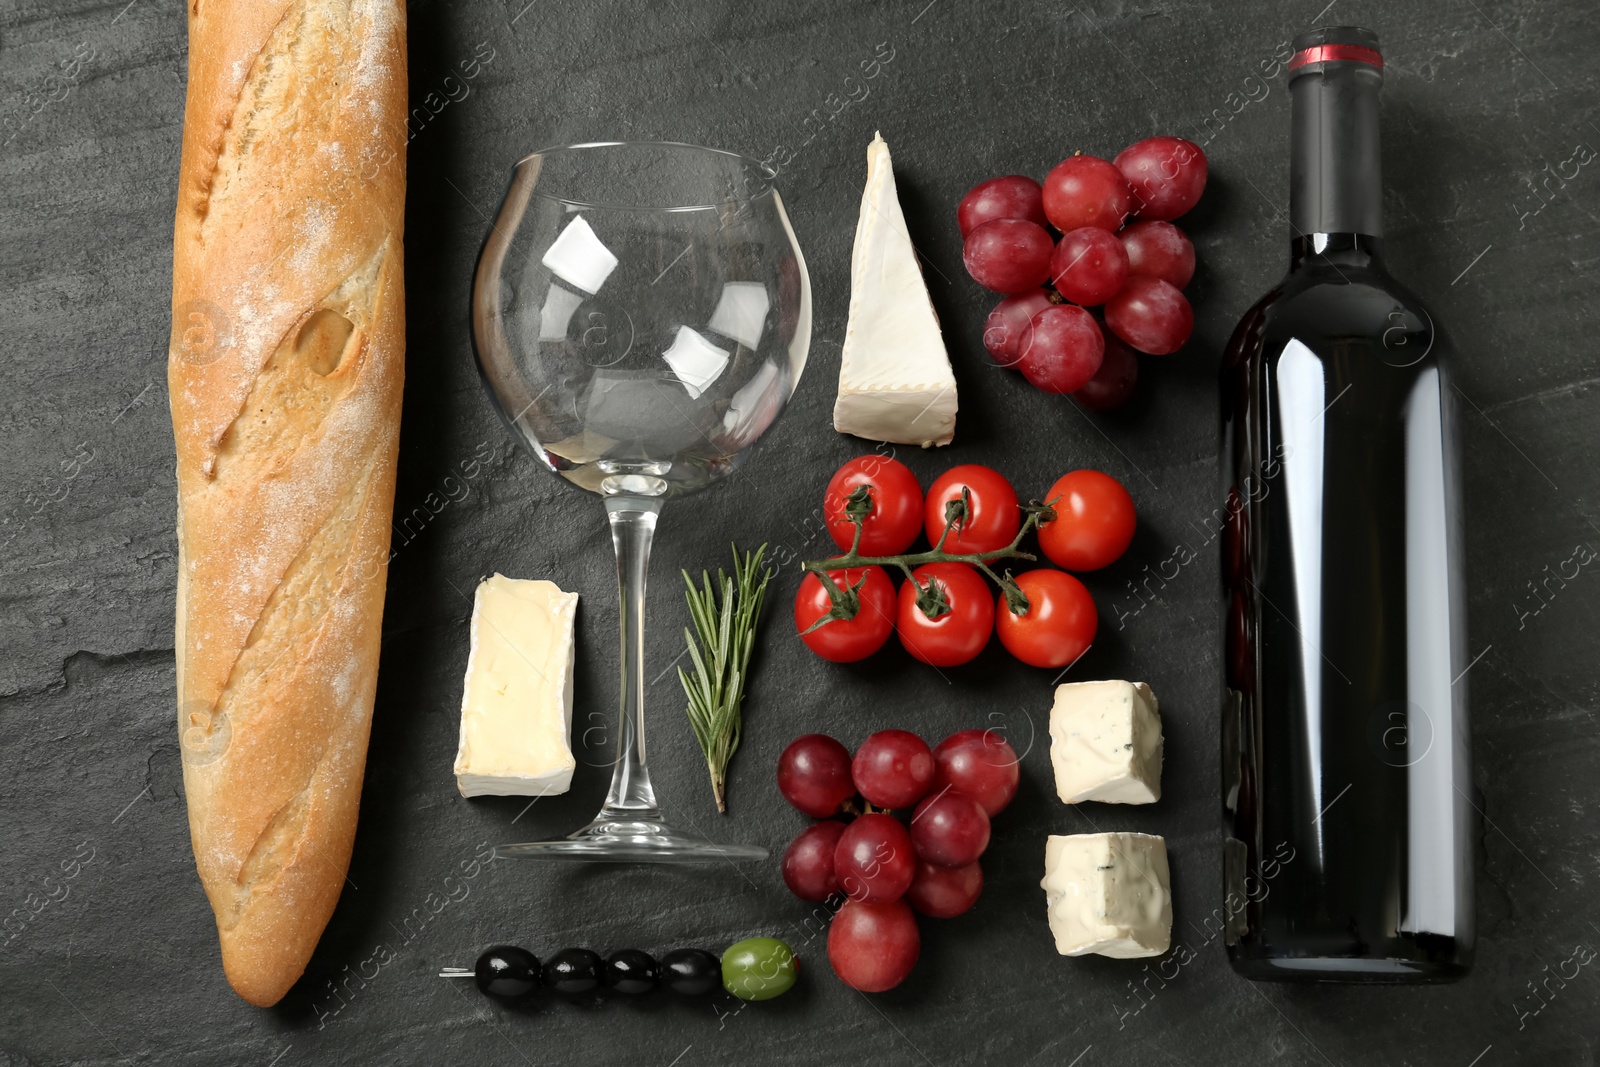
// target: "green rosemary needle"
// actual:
[[726, 629]]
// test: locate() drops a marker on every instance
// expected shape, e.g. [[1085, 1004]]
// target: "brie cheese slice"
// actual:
[[895, 382], [516, 711]]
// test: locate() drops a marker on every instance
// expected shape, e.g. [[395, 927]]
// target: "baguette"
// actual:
[[285, 371]]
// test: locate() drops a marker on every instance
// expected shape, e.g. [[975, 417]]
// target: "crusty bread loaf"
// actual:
[[285, 372]]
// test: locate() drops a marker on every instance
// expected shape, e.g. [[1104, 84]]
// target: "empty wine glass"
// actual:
[[641, 315]]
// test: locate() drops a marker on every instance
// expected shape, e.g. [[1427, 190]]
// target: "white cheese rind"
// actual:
[[1105, 743], [1109, 894], [895, 381], [516, 705]]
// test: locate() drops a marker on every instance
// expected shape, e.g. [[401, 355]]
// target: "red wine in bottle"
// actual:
[[1346, 769]]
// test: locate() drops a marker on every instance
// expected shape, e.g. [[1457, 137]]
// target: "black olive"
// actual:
[[631, 971], [507, 972], [691, 971], [573, 970]]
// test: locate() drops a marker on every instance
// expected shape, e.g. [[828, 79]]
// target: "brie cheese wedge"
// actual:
[[895, 382], [516, 711]]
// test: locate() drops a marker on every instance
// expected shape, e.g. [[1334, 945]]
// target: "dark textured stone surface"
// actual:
[[119, 964]]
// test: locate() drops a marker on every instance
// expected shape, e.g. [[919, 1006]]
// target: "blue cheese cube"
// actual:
[[1105, 743], [1108, 894]]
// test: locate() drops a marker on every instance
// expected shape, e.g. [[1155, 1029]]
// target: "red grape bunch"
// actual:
[[881, 868], [1134, 273]]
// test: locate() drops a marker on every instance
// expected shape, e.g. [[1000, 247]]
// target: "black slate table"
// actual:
[[1487, 104]]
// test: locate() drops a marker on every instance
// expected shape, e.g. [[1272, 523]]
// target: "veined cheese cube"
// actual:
[[1105, 743], [1109, 894], [516, 711], [895, 381]]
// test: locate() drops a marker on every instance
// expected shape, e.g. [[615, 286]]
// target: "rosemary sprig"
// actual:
[[726, 628]]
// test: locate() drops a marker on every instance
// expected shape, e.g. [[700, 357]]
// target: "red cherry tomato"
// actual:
[[846, 640], [992, 520], [1059, 625], [892, 524], [960, 632], [1094, 522]]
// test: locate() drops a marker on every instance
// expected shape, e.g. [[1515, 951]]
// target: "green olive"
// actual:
[[759, 968]]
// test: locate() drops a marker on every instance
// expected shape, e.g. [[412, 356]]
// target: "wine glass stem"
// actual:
[[633, 527]]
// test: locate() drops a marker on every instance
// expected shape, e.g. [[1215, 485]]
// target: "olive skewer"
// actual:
[[757, 968]]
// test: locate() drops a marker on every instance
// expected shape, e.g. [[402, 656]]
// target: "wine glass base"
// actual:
[[632, 840]]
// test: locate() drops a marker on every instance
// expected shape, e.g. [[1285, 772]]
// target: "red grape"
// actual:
[[1011, 197], [814, 775], [1089, 265], [945, 892], [950, 829], [1159, 250], [1113, 383], [1066, 349], [1009, 330], [1149, 314], [981, 764], [893, 768], [872, 947], [1167, 174], [1008, 255], [808, 861], [874, 859], [1086, 191]]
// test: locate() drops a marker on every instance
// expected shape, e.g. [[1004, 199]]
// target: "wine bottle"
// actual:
[[1346, 767]]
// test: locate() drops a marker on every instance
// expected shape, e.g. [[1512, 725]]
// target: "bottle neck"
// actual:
[[1335, 177], [1339, 249]]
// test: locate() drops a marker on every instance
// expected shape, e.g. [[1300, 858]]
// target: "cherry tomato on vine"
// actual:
[[896, 514], [846, 640], [960, 632], [1059, 625], [993, 520], [1094, 522]]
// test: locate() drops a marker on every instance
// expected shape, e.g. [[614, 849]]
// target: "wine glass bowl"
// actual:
[[641, 314]]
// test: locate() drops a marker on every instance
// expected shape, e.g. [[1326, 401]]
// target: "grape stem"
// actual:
[[931, 598]]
